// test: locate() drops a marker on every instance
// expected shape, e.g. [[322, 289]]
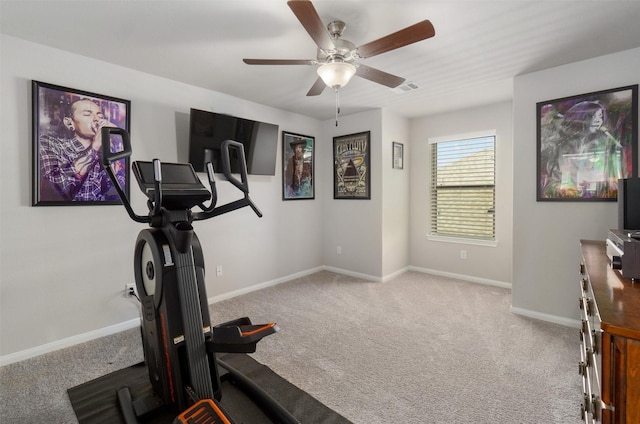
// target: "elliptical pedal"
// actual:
[[239, 336]]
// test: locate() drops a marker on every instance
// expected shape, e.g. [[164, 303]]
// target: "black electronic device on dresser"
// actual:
[[623, 252], [623, 243], [629, 204]]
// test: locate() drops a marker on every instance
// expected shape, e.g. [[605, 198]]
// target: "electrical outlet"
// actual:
[[219, 271], [339, 250], [463, 254], [129, 289]]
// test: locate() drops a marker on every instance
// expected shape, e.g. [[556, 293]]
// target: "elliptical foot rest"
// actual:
[[204, 411], [240, 335]]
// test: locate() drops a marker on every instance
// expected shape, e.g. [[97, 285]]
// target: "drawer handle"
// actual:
[[595, 341], [597, 405], [586, 304], [589, 306], [585, 405]]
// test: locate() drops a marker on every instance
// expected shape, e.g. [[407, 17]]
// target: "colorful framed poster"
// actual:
[[585, 144], [67, 146], [298, 154]]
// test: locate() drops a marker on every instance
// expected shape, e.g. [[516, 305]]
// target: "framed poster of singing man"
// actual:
[[67, 146], [351, 158]]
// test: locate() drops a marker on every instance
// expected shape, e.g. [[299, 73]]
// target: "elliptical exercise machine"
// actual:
[[179, 342]]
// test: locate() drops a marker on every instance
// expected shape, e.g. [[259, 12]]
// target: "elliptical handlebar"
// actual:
[[157, 187], [242, 184], [214, 192], [108, 157]]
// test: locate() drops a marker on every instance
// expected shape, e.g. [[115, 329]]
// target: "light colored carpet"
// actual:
[[417, 349]]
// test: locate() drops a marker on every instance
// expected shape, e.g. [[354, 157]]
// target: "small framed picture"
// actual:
[[297, 166], [398, 155], [67, 146]]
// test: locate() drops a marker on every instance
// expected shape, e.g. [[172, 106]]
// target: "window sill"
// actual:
[[459, 240]]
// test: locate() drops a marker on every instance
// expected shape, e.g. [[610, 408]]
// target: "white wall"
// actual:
[[355, 225], [486, 264], [63, 269], [373, 234], [546, 234], [396, 186]]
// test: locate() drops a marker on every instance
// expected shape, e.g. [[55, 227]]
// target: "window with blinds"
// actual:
[[463, 187]]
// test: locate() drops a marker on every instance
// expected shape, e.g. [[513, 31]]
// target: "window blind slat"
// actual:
[[463, 188]]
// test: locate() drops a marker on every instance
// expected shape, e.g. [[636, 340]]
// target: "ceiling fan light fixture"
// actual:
[[336, 74]]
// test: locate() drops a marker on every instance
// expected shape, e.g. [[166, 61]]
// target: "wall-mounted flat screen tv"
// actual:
[[208, 130]]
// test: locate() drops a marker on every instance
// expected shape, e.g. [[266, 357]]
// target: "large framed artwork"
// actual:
[[351, 158], [298, 154], [67, 146], [585, 144]]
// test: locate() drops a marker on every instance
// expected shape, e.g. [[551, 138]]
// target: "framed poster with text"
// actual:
[[351, 159]]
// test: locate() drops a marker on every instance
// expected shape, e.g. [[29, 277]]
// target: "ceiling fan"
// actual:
[[339, 58]]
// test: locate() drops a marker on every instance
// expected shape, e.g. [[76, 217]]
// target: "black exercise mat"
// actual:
[[96, 402]]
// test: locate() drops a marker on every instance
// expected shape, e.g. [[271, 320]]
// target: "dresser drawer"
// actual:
[[590, 351], [610, 339]]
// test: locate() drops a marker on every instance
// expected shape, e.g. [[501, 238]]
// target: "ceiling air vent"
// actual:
[[407, 86]]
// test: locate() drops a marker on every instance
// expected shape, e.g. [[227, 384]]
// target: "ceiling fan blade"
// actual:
[[376, 75], [317, 88], [310, 20], [417, 32], [279, 61]]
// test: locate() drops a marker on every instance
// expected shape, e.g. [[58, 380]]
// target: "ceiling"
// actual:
[[478, 48]]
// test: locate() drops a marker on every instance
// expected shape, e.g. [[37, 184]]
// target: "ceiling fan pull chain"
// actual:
[[337, 105]]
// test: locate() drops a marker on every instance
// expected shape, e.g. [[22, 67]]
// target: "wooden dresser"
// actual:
[[610, 340]]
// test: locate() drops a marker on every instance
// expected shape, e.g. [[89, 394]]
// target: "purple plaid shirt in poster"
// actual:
[[57, 156]]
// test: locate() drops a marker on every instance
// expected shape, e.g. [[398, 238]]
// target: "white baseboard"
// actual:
[[469, 278], [102, 332], [567, 322], [127, 325], [395, 274], [353, 274], [245, 290], [68, 342]]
